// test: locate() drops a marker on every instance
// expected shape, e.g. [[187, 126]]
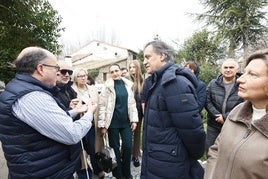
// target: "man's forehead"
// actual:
[[229, 64]]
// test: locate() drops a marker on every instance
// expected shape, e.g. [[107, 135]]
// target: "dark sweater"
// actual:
[[66, 94], [120, 116]]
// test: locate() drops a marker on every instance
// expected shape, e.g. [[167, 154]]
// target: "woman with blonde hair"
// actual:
[[136, 77], [93, 141]]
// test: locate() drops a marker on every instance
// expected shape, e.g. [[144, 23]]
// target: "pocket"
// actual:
[[168, 153], [181, 103]]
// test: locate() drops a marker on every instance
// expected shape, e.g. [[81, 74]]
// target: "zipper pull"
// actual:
[[247, 132]]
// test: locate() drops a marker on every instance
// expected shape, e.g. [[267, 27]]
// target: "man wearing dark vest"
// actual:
[[39, 137]]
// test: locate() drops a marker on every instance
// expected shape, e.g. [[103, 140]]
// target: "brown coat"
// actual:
[[241, 149]]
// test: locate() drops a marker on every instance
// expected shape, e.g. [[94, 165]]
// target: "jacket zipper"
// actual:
[[231, 160]]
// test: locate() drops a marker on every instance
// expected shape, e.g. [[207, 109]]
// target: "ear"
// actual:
[[163, 57], [40, 69]]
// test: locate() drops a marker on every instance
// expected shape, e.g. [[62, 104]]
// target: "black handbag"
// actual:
[[106, 159]]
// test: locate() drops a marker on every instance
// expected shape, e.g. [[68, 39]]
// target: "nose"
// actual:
[[241, 79], [144, 61]]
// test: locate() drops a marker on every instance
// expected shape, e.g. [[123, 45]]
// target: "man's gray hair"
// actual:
[[161, 47]]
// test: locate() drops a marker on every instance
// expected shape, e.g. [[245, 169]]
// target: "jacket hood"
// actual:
[[173, 69]]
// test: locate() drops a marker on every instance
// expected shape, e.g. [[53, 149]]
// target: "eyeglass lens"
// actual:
[[70, 72]]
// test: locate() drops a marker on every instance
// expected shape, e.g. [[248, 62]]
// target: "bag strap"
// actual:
[[106, 140]]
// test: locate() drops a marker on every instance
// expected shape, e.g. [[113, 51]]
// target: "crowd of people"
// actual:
[[53, 120]]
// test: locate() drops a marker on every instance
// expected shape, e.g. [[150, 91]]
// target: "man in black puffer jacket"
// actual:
[[222, 97]]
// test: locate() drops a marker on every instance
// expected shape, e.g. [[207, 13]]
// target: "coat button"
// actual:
[[173, 152]]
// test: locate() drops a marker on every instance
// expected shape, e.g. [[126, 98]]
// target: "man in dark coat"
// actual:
[[222, 97], [173, 136]]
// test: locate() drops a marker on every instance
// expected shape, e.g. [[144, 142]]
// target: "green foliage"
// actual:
[[140, 58], [26, 23], [202, 48], [241, 22], [93, 73], [208, 72], [6, 70]]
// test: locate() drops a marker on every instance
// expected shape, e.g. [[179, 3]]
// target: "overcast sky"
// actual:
[[132, 22]]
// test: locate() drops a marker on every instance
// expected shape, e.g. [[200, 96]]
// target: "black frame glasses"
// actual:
[[57, 67], [64, 71]]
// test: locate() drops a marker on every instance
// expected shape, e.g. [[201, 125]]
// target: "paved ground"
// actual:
[[135, 171], [3, 165]]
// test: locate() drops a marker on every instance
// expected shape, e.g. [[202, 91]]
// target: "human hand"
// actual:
[[219, 118], [133, 126], [73, 103], [92, 106], [103, 131], [80, 108]]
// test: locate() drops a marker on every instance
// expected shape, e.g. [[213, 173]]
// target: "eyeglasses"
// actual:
[[64, 71], [57, 67], [81, 76]]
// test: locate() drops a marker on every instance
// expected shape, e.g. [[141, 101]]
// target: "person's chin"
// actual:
[[149, 72], [241, 94]]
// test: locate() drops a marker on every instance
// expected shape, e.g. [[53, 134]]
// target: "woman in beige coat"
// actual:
[[118, 116], [92, 140], [241, 149]]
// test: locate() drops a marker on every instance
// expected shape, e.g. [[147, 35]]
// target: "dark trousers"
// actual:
[[212, 134], [137, 139], [123, 156]]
